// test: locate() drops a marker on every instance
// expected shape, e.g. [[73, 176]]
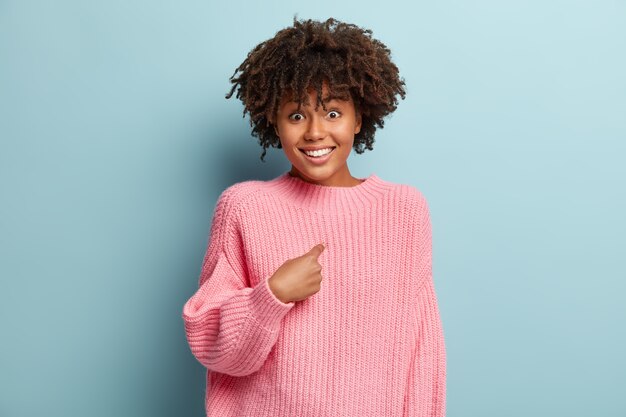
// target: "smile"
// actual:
[[318, 152], [318, 157]]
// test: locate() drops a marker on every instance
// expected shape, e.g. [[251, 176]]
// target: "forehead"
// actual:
[[288, 97]]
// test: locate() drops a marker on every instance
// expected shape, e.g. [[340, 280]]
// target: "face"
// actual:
[[332, 128]]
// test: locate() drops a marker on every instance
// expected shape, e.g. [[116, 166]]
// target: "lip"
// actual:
[[320, 160]]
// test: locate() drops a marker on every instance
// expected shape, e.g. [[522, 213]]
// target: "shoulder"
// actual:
[[409, 197], [236, 197]]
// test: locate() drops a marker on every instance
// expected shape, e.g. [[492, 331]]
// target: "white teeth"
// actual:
[[318, 152]]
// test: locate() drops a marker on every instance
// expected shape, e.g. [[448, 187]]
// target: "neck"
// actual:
[[349, 182], [329, 199]]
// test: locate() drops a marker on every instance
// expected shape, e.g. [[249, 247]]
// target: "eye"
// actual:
[[336, 112], [291, 116]]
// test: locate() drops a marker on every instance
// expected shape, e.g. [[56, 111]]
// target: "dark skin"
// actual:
[[298, 278], [334, 127]]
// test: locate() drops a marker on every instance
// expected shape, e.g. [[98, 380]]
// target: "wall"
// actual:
[[116, 140]]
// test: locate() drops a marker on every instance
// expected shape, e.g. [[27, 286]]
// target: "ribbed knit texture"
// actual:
[[369, 343]]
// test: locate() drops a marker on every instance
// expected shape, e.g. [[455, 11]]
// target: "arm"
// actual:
[[230, 327], [426, 396]]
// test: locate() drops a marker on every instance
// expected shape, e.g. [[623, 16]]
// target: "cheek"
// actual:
[[290, 136]]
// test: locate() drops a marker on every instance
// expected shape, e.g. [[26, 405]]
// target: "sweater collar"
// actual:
[[330, 199]]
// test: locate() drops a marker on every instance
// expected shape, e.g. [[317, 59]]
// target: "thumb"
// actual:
[[317, 249]]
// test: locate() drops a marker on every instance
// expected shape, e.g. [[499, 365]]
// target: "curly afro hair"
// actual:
[[308, 54]]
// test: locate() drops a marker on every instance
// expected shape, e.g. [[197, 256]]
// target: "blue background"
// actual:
[[116, 141]]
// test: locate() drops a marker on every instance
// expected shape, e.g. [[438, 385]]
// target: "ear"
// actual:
[[359, 121]]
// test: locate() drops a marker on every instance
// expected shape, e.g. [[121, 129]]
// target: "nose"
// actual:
[[315, 129]]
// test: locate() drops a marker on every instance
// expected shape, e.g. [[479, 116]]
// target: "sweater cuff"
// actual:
[[267, 309]]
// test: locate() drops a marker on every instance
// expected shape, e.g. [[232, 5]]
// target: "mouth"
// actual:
[[319, 157], [318, 153]]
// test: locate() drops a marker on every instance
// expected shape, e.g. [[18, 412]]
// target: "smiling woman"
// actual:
[[316, 294]]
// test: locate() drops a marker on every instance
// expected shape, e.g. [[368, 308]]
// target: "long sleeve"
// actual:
[[230, 326], [426, 396]]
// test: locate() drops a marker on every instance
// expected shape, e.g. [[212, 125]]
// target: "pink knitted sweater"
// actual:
[[369, 343]]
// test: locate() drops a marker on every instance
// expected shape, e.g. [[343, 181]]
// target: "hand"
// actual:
[[298, 278]]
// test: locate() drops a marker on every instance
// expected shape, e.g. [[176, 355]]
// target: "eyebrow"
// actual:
[[326, 100]]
